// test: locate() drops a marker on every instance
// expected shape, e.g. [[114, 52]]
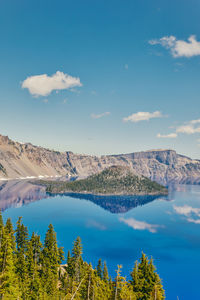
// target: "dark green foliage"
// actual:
[[99, 268], [145, 281], [77, 259], [116, 180], [105, 273], [32, 270]]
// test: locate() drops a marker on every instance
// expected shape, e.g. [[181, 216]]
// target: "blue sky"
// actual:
[[134, 81]]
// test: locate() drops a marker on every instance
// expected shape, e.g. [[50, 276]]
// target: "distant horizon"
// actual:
[[82, 153]]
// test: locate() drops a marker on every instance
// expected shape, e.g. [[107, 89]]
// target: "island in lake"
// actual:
[[115, 180]]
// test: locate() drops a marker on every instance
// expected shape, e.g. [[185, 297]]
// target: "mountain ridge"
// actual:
[[24, 160]]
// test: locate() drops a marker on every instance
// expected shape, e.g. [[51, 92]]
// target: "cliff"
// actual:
[[19, 161]]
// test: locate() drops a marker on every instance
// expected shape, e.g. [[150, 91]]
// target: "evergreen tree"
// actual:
[[145, 280], [105, 273], [99, 268], [33, 258], [77, 259], [21, 236], [10, 231], [21, 266], [50, 262], [8, 280], [29, 270]]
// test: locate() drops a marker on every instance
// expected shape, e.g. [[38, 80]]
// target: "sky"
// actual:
[[101, 76]]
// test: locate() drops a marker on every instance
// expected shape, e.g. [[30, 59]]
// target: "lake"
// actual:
[[118, 229]]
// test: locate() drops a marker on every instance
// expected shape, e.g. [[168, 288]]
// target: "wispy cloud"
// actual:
[[192, 214], [179, 48], [186, 210], [189, 127], [143, 116], [126, 66], [95, 224], [43, 85], [140, 225], [195, 221], [167, 136], [98, 116]]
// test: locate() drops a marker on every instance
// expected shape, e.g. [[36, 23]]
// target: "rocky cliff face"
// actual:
[[19, 161]]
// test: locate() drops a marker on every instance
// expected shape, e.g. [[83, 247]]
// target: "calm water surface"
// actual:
[[118, 229]]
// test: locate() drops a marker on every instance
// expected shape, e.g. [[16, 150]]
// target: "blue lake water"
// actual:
[[117, 229]]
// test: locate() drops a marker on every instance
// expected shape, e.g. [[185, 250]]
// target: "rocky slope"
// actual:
[[115, 180], [18, 161]]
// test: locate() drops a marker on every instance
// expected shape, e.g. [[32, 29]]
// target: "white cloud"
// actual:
[[140, 225], [98, 116], [166, 136], [189, 127], [179, 48], [43, 85], [195, 121], [195, 221], [143, 116], [186, 210], [192, 214]]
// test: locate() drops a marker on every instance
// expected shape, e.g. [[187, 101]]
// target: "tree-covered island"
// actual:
[[115, 180]]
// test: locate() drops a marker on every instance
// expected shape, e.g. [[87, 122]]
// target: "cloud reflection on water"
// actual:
[[141, 225]]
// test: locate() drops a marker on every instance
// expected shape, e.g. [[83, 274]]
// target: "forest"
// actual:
[[32, 269]]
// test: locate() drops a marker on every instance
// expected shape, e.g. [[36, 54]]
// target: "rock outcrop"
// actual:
[[19, 161]]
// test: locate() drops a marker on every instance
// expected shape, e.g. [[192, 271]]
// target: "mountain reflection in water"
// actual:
[[117, 204], [18, 193]]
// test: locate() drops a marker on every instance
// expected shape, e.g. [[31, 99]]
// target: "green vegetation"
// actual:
[[116, 180], [30, 269]]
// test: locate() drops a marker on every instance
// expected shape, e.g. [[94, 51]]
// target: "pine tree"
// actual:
[[21, 266], [156, 291], [50, 262], [145, 280], [99, 268], [77, 259], [33, 259], [10, 231], [105, 273], [8, 280], [21, 236]]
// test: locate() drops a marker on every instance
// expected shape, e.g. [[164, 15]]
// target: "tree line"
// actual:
[[30, 269]]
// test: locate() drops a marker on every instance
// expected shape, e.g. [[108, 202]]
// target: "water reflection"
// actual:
[[117, 204], [18, 193]]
